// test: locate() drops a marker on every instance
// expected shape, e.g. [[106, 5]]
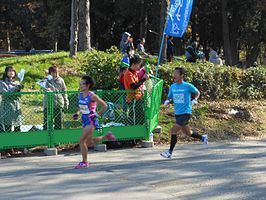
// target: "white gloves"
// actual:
[[166, 102], [194, 102]]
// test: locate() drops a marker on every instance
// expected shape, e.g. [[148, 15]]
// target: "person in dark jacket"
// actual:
[[192, 54], [125, 42], [170, 49]]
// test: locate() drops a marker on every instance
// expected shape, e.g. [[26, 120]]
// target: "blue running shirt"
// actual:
[[88, 109], [86, 105], [181, 96]]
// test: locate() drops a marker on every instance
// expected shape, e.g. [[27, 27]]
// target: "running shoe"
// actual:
[[204, 139], [82, 165], [166, 154], [110, 136]]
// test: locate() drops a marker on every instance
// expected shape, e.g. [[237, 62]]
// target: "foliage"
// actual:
[[103, 66], [213, 82], [35, 24], [219, 82], [57, 29], [39, 24]]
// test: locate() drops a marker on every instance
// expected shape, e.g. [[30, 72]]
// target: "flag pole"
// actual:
[[160, 52]]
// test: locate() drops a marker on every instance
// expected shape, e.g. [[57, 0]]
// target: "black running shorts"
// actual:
[[183, 119]]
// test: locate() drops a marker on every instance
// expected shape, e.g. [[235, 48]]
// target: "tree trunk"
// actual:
[[143, 19], [234, 36], [8, 41], [226, 34], [55, 44], [254, 51], [264, 57], [84, 26], [73, 43], [252, 55], [164, 10]]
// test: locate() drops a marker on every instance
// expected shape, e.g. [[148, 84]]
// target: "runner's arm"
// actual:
[[101, 102]]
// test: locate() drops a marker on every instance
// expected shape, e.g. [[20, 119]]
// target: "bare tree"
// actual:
[[84, 33], [73, 43], [143, 19], [8, 40], [226, 34], [163, 13]]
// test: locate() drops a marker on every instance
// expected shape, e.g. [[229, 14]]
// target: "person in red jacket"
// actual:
[[132, 82]]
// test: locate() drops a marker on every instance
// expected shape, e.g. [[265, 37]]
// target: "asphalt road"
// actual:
[[220, 171]]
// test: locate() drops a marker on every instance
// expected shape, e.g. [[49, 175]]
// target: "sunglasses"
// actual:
[[82, 83]]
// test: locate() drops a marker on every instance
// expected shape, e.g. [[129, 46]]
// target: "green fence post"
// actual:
[[100, 131], [146, 113], [154, 109], [50, 116]]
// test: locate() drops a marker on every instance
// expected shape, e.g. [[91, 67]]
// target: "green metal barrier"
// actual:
[[153, 110], [40, 121]]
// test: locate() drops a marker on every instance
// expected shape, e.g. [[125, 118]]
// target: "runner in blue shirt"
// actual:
[[180, 94], [87, 106]]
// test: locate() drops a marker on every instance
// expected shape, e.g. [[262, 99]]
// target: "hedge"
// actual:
[[213, 82]]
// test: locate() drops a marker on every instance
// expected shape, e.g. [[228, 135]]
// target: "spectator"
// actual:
[[170, 49], [56, 84], [145, 69], [191, 52], [141, 48], [9, 104], [214, 58], [131, 43], [125, 42], [124, 65], [132, 82]]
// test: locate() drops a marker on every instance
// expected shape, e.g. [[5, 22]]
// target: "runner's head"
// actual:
[[179, 74], [86, 83]]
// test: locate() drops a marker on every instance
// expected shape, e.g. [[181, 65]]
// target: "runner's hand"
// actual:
[[194, 102], [166, 102], [75, 116]]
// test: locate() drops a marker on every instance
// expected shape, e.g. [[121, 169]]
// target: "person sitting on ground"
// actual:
[[214, 58], [191, 52], [141, 48]]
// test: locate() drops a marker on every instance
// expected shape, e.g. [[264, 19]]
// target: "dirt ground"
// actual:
[[221, 120]]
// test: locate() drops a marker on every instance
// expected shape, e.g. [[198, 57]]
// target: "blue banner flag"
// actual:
[[178, 17]]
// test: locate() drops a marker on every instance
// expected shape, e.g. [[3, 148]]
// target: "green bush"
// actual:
[[219, 82], [213, 82], [103, 67]]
